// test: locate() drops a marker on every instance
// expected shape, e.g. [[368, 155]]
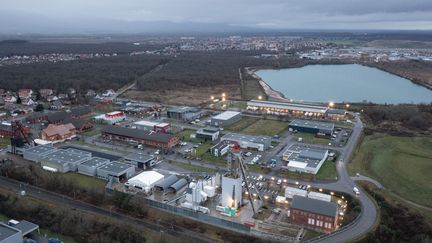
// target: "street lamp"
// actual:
[[223, 94], [259, 97], [347, 105], [331, 104], [212, 97]]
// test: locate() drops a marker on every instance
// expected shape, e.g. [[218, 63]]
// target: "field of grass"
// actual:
[[327, 171], [95, 131], [193, 167], [402, 164], [311, 138], [4, 142], [266, 127], [310, 234], [88, 182], [185, 135], [239, 126]]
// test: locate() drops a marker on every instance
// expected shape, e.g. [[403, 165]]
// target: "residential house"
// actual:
[[10, 99], [80, 125], [51, 98], [45, 93], [63, 96], [25, 93], [108, 93], [91, 93], [56, 105], [28, 102]]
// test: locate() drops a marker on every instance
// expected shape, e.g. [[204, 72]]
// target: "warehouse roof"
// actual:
[[64, 156], [138, 134], [25, 226], [95, 162], [337, 111], [7, 231], [314, 206], [248, 138], [61, 130], [115, 167], [289, 106], [167, 182], [183, 109], [312, 124], [226, 115], [308, 155], [56, 117], [146, 123], [41, 149], [80, 111], [178, 185]]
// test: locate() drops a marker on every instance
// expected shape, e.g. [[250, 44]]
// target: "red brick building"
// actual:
[[154, 139], [313, 213]]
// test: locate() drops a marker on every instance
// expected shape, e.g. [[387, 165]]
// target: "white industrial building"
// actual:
[[320, 196], [64, 160], [37, 153], [225, 118], [145, 180], [231, 192], [290, 192], [259, 143], [304, 159], [111, 117]]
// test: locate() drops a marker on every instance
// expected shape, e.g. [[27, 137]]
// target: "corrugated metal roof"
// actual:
[[138, 134], [178, 184], [167, 182]]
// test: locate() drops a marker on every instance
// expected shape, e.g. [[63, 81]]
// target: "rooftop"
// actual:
[[146, 123], [312, 124], [306, 155], [138, 134], [115, 167], [25, 226], [289, 106], [314, 206], [41, 149], [7, 231], [95, 162], [226, 115], [64, 156], [183, 109]]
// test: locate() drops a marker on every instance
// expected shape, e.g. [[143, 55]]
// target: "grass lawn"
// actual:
[[239, 104], [266, 127], [84, 181], [310, 234], [95, 131], [296, 175], [402, 164], [244, 122], [4, 142], [257, 168], [310, 138], [193, 167], [185, 135], [327, 171], [343, 124], [3, 218]]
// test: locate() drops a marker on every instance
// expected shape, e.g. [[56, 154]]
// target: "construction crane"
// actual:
[[20, 136], [236, 165]]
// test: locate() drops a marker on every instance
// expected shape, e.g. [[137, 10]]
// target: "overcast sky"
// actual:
[[46, 16]]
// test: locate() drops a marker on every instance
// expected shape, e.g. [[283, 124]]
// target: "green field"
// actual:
[[196, 168], [87, 182], [311, 138], [402, 164], [256, 126], [4, 142], [327, 171], [185, 135], [245, 122]]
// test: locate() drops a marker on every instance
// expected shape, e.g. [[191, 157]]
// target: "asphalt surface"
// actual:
[[61, 200]]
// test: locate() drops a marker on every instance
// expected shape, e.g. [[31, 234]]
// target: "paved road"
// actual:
[[64, 201]]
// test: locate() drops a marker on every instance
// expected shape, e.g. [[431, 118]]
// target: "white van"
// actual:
[[356, 191]]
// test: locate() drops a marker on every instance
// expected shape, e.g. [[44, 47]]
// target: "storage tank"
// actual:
[[210, 191]]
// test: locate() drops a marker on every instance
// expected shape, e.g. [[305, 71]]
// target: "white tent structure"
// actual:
[[145, 180]]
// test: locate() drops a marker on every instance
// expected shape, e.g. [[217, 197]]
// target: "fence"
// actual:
[[205, 218]]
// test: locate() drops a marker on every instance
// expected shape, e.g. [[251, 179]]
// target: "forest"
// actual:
[[97, 73]]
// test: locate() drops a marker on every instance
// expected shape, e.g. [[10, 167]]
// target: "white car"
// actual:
[[356, 191]]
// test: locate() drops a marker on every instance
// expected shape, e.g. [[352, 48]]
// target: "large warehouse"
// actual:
[[63, 160], [289, 108], [185, 113], [37, 153], [154, 139], [225, 118], [116, 171], [89, 167], [304, 159], [314, 127], [259, 143], [139, 160]]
